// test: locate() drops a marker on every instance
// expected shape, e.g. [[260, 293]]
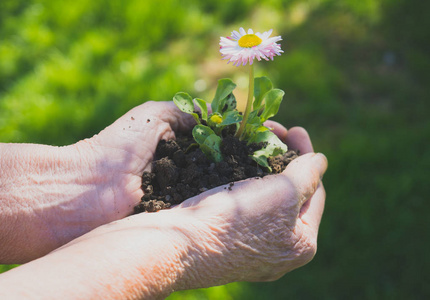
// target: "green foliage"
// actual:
[[272, 146], [261, 86], [224, 98], [95, 58], [212, 147], [184, 102], [272, 102], [231, 117], [4, 268], [224, 113], [201, 133], [202, 105]]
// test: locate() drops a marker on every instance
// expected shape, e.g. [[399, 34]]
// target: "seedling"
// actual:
[[263, 101]]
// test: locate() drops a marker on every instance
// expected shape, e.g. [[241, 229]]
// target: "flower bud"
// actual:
[[215, 119]]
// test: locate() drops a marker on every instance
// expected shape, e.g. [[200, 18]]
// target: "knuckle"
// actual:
[[306, 250]]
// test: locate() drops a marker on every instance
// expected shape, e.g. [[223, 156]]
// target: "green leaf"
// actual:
[[272, 102], [212, 148], [230, 103], [252, 126], [231, 117], [262, 161], [262, 85], [185, 103], [255, 121], [224, 89], [203, 107], [273, 145], [201, 133], [262, 129], [209, 142]]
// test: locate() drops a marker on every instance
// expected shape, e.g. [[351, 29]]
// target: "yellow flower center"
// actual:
[[249, 41]]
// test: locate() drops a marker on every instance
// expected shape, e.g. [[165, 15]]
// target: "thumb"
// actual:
[[305, 173], [144, 125]]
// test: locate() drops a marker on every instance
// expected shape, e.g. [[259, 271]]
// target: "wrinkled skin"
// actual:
[[51, 195], [124, 150], [264, 233], [257, 231]]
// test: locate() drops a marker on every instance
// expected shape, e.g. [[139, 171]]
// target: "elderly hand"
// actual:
[[51, 195], [257, 231], [262, 228]]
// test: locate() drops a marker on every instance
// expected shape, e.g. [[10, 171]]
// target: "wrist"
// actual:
[[25, 201], [197, 256], [41, 189], [150, 256], [172, 251]]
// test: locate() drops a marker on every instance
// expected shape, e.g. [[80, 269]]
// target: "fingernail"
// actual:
[[321, 163]]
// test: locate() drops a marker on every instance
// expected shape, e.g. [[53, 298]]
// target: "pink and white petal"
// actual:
[[235, 35]]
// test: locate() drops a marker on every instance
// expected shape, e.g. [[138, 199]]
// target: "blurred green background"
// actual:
[[355, 75]]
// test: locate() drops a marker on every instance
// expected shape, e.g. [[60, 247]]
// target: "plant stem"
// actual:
[[239, 133]]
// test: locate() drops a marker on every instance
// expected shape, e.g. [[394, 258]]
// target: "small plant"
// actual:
[[263, 101]]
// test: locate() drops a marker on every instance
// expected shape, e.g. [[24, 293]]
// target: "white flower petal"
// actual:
[[235, 35], [267, 49]]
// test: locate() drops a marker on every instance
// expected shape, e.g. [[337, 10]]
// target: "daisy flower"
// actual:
[[242, 48]]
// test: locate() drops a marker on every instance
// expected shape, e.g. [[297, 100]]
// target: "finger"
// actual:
[[147, 123], [298, 139], [137, 132], [305, 174], [164, 111], [247, 200], [312, 210], [289, 189]]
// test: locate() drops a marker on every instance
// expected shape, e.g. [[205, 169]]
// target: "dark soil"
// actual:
[[181, 170]]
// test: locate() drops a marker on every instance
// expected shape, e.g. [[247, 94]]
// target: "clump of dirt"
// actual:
[[181, 170]]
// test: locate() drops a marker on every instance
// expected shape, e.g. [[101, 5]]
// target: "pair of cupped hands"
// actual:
[[257, 231]]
